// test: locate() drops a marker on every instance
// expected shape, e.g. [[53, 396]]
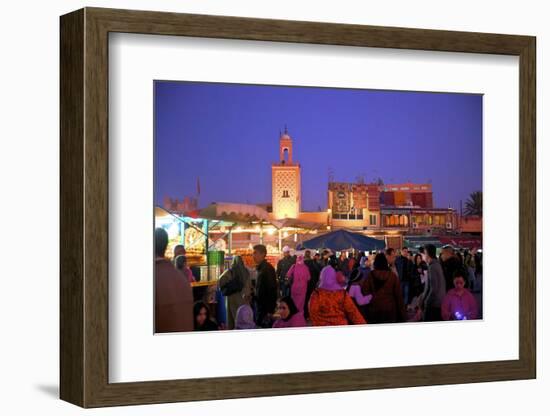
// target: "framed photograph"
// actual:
[[255, 207]]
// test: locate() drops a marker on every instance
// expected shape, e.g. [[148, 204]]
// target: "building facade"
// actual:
[[406, 194], [385, 211], [184, 205]]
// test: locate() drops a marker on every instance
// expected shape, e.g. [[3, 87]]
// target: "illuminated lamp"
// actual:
[[173, 230]]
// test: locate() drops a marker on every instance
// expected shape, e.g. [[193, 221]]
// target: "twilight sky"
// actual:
[[227, 135]]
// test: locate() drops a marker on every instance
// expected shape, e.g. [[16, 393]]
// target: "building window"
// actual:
[[285, 194], [372, 219]]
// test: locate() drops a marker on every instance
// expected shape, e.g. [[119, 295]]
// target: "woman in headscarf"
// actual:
[[180, 262], [290, 316], [459, 303], [245, 314], [330, 304], [201, 317], [234, 283], [299, 276], [387, 299]]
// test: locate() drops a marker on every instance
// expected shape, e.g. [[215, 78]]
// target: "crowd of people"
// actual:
[[322, 289]]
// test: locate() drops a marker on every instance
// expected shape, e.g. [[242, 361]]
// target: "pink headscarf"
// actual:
[[245, 317], [328, 279]]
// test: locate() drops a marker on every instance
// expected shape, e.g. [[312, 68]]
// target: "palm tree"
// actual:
[[474, 204]]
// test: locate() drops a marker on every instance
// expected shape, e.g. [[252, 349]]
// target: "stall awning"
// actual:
[[417, 241], [470, 242], [297, 223], [343, 240]]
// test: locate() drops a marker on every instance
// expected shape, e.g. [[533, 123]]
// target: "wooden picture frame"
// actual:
[[84, 207]]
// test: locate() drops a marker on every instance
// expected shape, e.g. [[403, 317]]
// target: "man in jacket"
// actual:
[[266, 287], [173, 293], [283, 266], [434, 291], [404, 269], [450, 264]]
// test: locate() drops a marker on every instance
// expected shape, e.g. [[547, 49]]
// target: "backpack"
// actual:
[[233, 285]]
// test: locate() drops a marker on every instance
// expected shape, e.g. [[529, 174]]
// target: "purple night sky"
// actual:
[[228, 135]]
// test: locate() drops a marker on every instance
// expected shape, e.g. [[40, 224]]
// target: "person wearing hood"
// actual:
[[290, 316], [245, 317], [330, 304], [387, 304], [298, 276], [234, 283], [459, 303]]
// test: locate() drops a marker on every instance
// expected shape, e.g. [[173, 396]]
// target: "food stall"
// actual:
[[207, 236], [213, 235]]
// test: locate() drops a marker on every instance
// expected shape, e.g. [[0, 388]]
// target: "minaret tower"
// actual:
[[286, 181]]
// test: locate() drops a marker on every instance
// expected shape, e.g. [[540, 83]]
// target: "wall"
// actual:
[[29, 172], [314, 216], [471, 224]]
